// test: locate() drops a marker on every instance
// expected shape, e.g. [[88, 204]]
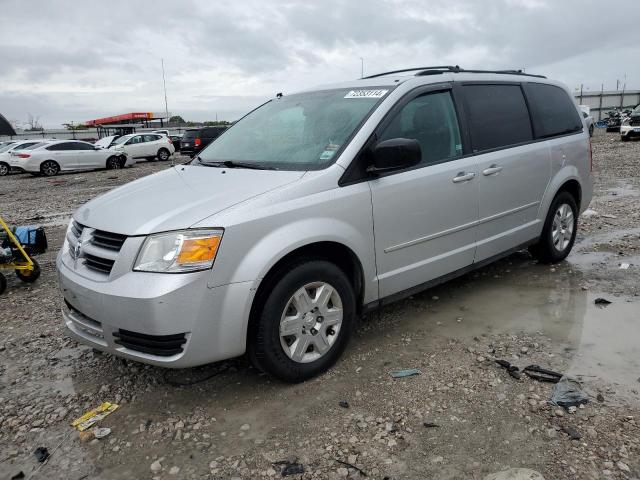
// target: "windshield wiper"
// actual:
[[233, 164]]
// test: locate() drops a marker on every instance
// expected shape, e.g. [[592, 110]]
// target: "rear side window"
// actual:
[[151, 138], [61, 146], [189, 134], [553, 110], [497, 116]]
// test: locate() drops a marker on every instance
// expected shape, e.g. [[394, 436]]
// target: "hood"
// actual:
[[177, 198]]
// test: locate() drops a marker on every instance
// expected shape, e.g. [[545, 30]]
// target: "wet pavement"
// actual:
[[228, 421]]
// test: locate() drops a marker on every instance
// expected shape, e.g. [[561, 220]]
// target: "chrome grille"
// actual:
[[98, 264], [110, 241]]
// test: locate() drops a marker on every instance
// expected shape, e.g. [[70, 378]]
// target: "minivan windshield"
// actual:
[[304, 131]]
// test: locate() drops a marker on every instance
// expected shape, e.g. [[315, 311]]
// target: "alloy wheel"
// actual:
[[562, 230]]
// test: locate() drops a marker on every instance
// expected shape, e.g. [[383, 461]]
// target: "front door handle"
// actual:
[[492, 170], [463, 177]]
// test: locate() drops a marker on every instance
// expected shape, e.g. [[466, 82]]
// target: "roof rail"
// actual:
[[420, 71], [448, 68]]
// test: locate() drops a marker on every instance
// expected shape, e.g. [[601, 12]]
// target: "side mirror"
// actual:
[[395, 154]]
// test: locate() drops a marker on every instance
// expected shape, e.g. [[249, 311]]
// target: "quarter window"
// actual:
[[498, 116], [554, 111], [431, 120]]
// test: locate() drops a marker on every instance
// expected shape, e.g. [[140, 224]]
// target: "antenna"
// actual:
[[164, 83]]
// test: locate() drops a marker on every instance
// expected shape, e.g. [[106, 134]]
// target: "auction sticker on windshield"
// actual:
[[366, 94]]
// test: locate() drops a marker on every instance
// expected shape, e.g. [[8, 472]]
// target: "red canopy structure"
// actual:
[[133, 117]]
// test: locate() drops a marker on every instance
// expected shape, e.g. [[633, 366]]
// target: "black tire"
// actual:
[[49, 168], [264, 346], [625, 138], [3, 284], [545, 251], [163, 154], [4, 169], [29, 276], [114, 163]]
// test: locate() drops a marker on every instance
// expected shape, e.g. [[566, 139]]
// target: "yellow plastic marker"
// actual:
[[95, 415]]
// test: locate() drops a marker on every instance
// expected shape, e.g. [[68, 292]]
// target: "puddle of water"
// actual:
[[623, 191], [601, 344]]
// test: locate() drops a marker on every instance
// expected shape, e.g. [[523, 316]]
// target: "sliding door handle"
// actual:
[[463, 177], [492, 170]]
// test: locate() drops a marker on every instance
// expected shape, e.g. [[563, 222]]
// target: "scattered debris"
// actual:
[[430, 425], [568, 393], [600, 398], [405, 373], [95, 415], [511, 369], [99, 432], [289, 467], [602, 301], [536, 372], [572, 432], [624, 266], [589, 212], [86, 436], [344, 404], [41, 454], [348, 465]]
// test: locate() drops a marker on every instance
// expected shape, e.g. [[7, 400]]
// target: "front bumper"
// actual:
[[630, 131], [138, 314]]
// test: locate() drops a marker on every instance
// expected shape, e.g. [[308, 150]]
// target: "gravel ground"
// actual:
[[462, 417]]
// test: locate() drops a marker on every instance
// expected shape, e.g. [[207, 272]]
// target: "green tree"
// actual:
[[177, 119]]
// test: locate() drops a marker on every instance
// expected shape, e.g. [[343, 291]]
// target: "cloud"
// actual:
[[76, 62]]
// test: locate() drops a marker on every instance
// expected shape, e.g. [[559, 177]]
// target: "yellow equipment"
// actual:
[[16, 258]]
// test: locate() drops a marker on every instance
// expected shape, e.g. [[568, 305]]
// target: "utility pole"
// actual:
[[581, 87], [164, 83], [361, 67]]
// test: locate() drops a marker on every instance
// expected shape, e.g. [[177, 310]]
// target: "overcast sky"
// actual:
[[75, 61]]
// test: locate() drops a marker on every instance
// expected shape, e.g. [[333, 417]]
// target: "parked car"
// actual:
[[53, 157], [5, 154], [148, 146], [266, 244], [195, 140], [614, 120], [161, 132], [177, 141], [588, 122], [106, 142], [630, 127]]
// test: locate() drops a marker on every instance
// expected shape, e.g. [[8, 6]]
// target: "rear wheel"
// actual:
[[49, 168], [4, 169], [163, 154], [305, 322], [559, 232], [114, 163], [29, 276]]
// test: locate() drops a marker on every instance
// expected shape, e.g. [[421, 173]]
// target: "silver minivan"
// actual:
[[321, 205]]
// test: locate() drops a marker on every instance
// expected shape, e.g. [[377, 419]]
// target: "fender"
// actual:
[[565, 174]]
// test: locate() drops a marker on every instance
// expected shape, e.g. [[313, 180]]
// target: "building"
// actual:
[[602, 102]]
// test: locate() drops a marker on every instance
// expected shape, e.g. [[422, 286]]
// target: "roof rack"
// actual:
[[421, 71]]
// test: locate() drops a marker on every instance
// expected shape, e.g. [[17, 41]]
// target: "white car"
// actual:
[[144, 145], [6, 158], [106, 142], [52, 157]]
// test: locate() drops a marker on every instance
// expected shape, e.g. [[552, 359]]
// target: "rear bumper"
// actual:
[[166, 320]]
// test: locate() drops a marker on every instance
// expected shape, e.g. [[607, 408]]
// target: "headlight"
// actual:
[[176, 252]]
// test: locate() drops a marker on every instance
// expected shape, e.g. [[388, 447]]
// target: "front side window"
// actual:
[[151, 138], [498, 116], [82, 146], [554, 111], [298, 132], [431, 120], [135, 140]]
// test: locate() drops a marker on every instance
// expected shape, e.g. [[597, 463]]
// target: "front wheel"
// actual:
[[29, 276], [49, 168], [305, 323], [4, 169], [559, 231], [625, 138]]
